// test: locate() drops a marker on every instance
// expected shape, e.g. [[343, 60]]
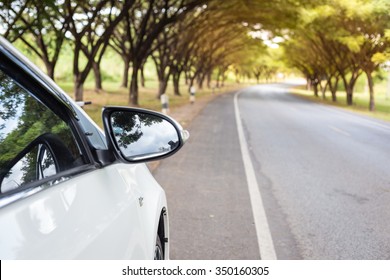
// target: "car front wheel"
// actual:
[[158, 250]]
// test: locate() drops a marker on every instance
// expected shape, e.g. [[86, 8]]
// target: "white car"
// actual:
[[68, 190]]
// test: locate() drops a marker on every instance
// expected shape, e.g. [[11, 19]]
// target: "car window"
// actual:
[[35, 143]]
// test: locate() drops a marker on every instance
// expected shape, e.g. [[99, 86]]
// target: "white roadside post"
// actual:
[[192, 94], [164, 103]]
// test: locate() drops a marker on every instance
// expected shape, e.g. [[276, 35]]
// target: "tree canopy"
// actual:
[[328, 41]]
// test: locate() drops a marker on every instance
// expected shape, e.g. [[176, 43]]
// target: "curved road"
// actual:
[[323, 175]]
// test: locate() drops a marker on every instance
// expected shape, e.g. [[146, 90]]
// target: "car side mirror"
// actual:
[[139, 135]]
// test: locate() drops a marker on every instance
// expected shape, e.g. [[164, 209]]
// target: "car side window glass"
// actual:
[[22, 172], [46, 163], [35, 143]]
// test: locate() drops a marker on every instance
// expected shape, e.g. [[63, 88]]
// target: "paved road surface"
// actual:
[[323, 173]]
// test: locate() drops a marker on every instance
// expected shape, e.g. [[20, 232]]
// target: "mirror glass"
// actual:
[[142, 136]]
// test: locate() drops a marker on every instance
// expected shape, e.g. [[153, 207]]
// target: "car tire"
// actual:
[[158, 250]]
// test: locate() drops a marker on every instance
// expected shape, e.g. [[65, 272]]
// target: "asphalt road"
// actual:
[[323, 174]]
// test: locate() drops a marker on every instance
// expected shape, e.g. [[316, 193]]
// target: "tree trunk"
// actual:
[[257, 79], [334, 97], [50, 72], [187, 77], [349, 92], [125, 78], [78, 89], [98, 76], [209, 79], [142, 76], [200, 81], [50, 69], [349, 86], [371, 90], [176, 87], [133, 93], [176, 83], [219, 75], [161, 74], [315, 88], [333, 88], [323, 89], [162, 87]]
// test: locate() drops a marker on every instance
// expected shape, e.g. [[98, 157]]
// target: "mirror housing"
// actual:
[[138, 135]]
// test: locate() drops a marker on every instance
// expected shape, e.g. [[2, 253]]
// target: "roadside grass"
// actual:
[[360, 101], [112, 94]]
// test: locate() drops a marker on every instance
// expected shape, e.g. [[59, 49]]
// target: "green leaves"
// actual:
[[354, 43], [310, 16]]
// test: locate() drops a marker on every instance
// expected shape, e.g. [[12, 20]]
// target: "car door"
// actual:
[[55, 202]]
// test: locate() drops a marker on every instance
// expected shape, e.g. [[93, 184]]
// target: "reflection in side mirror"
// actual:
[[142, 135]]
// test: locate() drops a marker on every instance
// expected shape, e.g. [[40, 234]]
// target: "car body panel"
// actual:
[[93, 216]]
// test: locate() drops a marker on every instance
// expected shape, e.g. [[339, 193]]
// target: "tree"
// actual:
[[162, 58], [208, 41], [91, 27], [305, 54], [142, 26], [43, 33], [368, 28]]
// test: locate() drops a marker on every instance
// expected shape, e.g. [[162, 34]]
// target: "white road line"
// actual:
[[264, 237], [339, 130]]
